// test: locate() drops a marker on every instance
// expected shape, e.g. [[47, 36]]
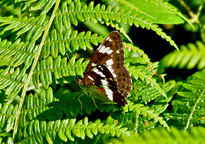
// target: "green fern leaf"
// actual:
[[12, 81], [104, 15], [22, 25], [7, 117], [42, 106], [162, 136], [135, 116], [188, 108], [147, 93], [17, 53], [49, 70], [190, 56], [145, 74], [38, 82], [67, 130], [57, 43]]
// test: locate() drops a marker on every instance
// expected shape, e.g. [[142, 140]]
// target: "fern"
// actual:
[[40, 99], [58, 67], [12, 80], [188, 108], [58, 43], [195, 135], [136, 116], [7, 117], [17, 53], [66, 130], [156, 8], [188, 57], [40, 107], [100, 13], [148, 93], [145, 74]]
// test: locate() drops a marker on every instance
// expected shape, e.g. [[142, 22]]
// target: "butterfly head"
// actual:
[[122, 102], [79, 82]]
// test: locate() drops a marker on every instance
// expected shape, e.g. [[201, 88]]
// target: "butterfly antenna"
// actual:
[[72, 67]]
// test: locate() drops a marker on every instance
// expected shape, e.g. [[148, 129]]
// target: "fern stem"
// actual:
[[157, 118], [193, 109], [128, 4], [192, 15], [33, 67]]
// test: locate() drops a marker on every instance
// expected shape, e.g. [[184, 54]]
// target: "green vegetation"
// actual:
[[40, 101]]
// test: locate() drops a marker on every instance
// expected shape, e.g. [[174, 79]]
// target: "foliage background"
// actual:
[[40, 101]]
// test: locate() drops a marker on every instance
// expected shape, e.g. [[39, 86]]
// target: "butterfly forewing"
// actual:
[[106, 70]]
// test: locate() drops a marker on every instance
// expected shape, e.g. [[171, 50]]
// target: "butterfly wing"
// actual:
[[112, 47], [107, 71], [101, 77]]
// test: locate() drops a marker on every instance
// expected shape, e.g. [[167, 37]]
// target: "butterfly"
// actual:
[[106, 78]]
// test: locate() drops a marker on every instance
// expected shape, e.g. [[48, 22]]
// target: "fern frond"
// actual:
[[66, 130], [188, 108], [51, 107], [34, 26], [47, 27], [70, 40], [162, 136], [7, 117], [34, 5], [145, 74], [42, 5], [131, 6], [12, 81], [190, 56], [41, 106], [137, 50], [17, 53], [147, 93], [76, 103], [49, 70], [139, 118], [151, 115], [74, 12], [170, 8]]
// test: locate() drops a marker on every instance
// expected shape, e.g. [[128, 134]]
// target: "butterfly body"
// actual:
[[106, 77]]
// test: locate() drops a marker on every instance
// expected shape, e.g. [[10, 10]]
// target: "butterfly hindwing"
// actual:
[[101, 77]]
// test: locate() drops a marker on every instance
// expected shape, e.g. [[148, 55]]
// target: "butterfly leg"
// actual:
[[81, 104], [94, 102]]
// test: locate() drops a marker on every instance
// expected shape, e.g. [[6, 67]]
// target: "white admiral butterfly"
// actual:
[[106, 77]]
